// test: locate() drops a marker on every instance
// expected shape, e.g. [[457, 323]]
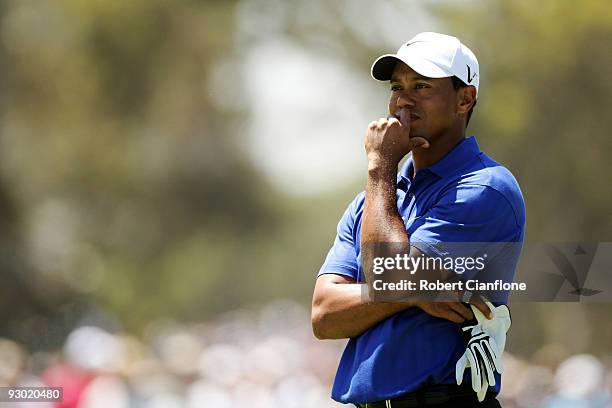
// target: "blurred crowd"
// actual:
[[265, 358]]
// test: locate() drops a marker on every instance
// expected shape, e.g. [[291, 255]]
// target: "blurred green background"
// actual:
[[181, 159]]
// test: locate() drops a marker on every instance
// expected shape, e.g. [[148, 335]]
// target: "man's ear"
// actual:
[[466, 99]]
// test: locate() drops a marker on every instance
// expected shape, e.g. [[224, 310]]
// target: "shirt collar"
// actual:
[[454, 160]]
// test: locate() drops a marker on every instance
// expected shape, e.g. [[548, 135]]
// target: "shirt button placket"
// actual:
[[407, 205]]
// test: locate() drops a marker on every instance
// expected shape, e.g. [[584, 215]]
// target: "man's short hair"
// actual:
[[458, 84]]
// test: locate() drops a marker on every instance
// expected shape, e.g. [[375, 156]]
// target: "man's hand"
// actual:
[[454, 311], [388, 140], [486, 340]]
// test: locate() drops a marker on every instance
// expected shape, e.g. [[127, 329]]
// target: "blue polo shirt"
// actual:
[[464, 197]]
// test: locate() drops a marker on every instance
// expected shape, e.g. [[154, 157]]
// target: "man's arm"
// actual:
[[339, 309], [387, 141]]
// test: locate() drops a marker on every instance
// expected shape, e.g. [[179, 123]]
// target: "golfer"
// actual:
[[417, 353]]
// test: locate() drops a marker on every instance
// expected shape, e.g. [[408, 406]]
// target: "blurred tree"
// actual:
[[124, 179], [544, 112], [129, 181], [544, 107]]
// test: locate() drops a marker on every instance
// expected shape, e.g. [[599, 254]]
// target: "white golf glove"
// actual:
[[486, 340]]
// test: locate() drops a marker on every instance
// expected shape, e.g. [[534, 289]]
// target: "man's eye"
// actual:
[[421, 86], [395, 88]]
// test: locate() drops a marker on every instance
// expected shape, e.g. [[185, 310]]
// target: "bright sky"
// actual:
[[309, 111], [308, 118]]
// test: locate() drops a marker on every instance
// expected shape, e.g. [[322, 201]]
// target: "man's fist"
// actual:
[[388, 140]]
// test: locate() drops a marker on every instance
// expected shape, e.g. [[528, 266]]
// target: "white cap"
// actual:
[[432, 55]]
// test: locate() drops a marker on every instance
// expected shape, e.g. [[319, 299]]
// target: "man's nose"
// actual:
[[405, 100]]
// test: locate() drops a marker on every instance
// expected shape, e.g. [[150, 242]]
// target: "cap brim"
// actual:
[[382, 68]]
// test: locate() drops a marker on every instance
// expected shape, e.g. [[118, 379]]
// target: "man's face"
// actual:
[[431, 102]]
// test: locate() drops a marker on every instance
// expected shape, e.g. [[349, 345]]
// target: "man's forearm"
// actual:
[[381, 220], [382, 229], [342, 311]]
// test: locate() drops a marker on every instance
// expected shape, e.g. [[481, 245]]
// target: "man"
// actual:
[[406, 353]]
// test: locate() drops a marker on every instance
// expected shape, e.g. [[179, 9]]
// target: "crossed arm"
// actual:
[[341, 310], [339, 307]]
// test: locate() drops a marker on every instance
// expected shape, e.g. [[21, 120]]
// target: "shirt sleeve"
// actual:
[[342, 257], [466, 215]]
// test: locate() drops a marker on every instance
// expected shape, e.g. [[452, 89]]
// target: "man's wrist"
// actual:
[[382, 169]]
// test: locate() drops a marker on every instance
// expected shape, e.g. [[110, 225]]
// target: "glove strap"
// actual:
[[467, 326]]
